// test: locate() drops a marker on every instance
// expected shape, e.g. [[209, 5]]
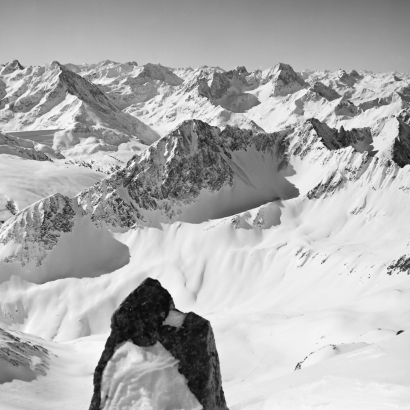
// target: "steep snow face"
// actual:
[[145, 377], [54, 97]]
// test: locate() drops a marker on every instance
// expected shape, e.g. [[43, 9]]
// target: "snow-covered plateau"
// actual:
[[273, 203]]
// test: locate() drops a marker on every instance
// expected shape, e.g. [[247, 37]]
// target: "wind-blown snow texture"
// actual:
[[272, 203]]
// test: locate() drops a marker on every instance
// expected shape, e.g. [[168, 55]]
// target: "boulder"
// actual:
[[157, 356]]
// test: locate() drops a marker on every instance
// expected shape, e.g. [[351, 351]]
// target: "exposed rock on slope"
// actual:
[[20, 358], [147, 324], [38, 228], [21, 148], [324, 91], [401, 147], [360, 139], [328, 352]]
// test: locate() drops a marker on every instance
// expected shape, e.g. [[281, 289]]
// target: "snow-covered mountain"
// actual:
[[272, 203], [54, 97], [268, 99]]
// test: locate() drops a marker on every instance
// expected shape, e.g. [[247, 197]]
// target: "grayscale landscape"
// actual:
[[204, 238]]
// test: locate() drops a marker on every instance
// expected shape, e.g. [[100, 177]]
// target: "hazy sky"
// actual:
[[317, 34]]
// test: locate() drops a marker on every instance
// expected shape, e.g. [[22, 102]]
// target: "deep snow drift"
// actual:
[[293, 243]]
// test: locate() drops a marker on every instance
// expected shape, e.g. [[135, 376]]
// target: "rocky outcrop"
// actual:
[[400, 265], [334, 139], [328, 352], [147, 318], [375, 103], [401, 145], [324, 91], [346, 108], [348, 79], [95, 165], [38, 228], [228, 89], [218, 87], [20, 358]]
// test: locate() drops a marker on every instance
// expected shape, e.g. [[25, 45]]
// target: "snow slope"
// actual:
[[294, 244]]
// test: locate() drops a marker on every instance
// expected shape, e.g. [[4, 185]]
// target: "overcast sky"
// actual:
[[316, 34]]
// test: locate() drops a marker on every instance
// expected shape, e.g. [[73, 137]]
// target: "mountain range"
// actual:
[[273, 203]]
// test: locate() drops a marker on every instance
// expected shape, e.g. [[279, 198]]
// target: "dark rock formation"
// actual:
[[401, 146], [41, 225], [400, 265], [346, 108], [333, 139], [20, 358], [348, 79], [324, 91], [376, 102], [140, 319], [220, 84]]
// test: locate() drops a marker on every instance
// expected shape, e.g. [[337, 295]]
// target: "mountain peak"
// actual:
[[286, 80], [56, 64], [11, 66]]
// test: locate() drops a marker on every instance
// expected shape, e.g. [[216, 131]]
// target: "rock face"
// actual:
[[41, 225], [324, 91], [148, 316], [21, 358]]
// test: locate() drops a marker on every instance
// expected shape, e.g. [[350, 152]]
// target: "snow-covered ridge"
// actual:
[[195, 173], [199, 172], [22, 148]]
